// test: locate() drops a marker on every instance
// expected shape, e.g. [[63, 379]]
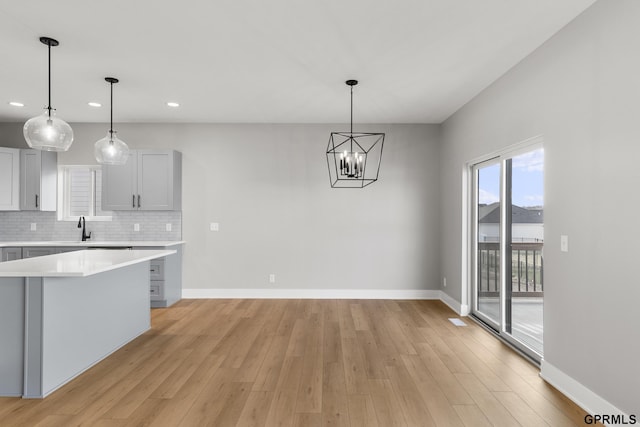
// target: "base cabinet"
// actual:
[[35, 252], [165, 279], [156, 280], [11, 254]]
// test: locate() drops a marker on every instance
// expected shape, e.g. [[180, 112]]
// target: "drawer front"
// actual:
[[36, 252], [156, 290], [11, 254], [156, 269]]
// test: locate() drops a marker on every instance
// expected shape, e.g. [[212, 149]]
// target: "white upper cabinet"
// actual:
[[9, 179], [38, 180], [150, 180]]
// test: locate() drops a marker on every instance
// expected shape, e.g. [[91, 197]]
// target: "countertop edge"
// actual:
[[88, 244], [158, 253]]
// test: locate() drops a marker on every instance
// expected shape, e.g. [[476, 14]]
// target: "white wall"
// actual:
[[581, 92], [268, 188]]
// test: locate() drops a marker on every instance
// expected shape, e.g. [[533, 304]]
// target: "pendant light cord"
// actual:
[[111, 117], [49, 103]]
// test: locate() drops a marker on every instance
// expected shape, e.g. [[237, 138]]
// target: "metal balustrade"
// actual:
[[526, 267]]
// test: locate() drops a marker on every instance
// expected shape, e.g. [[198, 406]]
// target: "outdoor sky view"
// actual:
[[527, 181]]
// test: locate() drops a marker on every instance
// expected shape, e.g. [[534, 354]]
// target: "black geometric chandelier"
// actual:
[[354, 158]]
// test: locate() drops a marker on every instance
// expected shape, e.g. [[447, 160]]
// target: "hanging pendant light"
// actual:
[[354, 158], [48, 132], [111, 150]]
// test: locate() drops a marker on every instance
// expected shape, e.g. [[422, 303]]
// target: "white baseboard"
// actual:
[[461, 309], [578, 393], [399, 294]]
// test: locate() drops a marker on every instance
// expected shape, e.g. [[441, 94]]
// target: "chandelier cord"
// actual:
[[351, 119], [351, 110]]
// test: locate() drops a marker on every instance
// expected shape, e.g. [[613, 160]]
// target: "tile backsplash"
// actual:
[[16, 226]]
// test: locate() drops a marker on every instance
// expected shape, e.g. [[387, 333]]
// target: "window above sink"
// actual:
[[80, 193]]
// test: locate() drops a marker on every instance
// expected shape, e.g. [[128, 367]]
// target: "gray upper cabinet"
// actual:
[[38, 180], [119, 186], [9, 179], [150, 180]]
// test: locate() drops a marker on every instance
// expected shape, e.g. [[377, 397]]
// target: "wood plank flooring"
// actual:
[[304, 363]]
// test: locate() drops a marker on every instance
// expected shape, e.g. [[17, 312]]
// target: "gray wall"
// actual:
[[581, 91], [268, 188]]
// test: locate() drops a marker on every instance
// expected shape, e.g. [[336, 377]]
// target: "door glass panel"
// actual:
[[509, 240], [488, 242], [527, 239]]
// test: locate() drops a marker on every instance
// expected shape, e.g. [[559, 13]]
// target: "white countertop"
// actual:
[[90, 243], [79, 263]]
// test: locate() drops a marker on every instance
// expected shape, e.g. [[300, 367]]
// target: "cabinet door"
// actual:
[[155, 180], [62, 250], [119, 189], [38, 180], [30, 164], [11, 254], [35, 252], [9, 179]]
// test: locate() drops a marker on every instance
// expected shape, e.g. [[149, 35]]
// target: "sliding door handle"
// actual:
[[36, 200], [138, 200], [133, 200]]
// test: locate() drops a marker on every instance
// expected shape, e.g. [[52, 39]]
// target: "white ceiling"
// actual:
[[266, 61]]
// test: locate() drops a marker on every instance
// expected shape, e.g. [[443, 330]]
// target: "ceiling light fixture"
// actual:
[[16, 104], [47, 132], [111, 150], [94, 104], [354, 158], [173, 104]]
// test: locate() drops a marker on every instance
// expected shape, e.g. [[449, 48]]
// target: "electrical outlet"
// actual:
[[34, 226], [272, 278], [136, 227], [168, 227], [564, 243], [214, 226]]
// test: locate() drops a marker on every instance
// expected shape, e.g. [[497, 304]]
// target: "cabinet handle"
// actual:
[[133, 200], [36, 200], [138, 200]]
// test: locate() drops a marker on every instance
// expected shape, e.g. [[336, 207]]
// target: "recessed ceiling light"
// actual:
[[16, 104], [173, 104], [95, 104]]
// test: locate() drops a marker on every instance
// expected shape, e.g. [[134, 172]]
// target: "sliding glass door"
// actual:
[[508, 231], [488, 289]]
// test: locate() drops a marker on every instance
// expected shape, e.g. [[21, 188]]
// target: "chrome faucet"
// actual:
[[81, 224]]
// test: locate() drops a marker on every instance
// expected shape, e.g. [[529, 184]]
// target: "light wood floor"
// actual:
[[304, 363]]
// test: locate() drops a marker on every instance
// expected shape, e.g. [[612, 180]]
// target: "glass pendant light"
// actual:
[[111, 150], [48, 132]]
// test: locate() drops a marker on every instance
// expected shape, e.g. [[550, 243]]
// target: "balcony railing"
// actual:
[[526, 269]]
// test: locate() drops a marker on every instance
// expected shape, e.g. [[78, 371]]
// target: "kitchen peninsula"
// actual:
[[61, 314], [165, 285]]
